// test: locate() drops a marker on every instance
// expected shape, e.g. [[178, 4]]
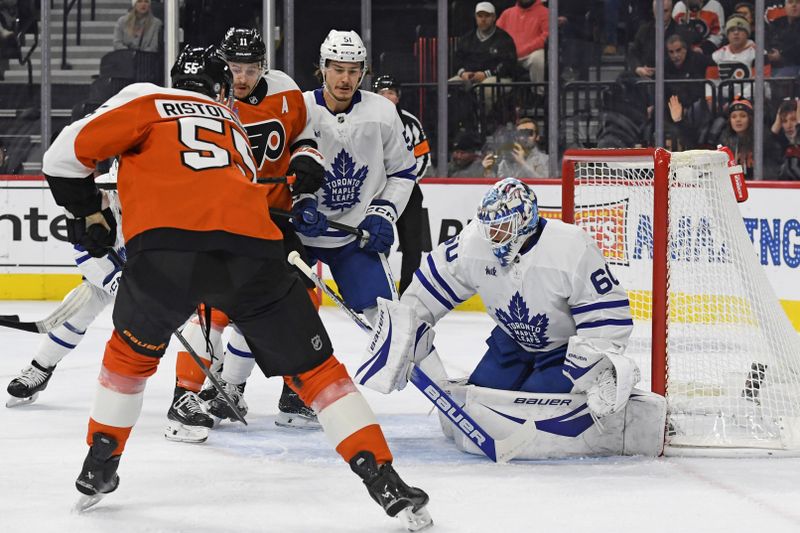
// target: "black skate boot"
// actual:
[[98, 476], [188, 421], [391, 493], [25, 388], [220, 409], [293, 413]]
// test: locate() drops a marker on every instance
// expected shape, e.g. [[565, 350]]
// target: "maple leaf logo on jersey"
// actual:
[[530, 332], [342, 186]]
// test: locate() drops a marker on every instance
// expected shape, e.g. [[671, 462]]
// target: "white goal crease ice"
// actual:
[[709, 331]]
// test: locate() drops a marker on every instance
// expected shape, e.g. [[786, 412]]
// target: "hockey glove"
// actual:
[[379, 224], [96, 233], [307, 166], [399, 340], [307, 220]]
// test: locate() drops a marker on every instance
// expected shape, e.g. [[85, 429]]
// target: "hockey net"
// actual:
[[709, 331]]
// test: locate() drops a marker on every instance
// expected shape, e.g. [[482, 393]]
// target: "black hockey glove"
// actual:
[[307, 166], [95, 237]]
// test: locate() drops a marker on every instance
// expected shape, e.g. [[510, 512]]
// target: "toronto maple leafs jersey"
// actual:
[[368, 158], [560, 286]]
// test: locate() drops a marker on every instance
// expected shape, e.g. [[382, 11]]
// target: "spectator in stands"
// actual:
[[139, 29], [465, 161], [785, 140], [487, 53], [527, 24], [685, 64], [642, 56], [738, 135], [737, 58], [746, 10], [610, 23], [520, 158], [783, 41], [703, 19]]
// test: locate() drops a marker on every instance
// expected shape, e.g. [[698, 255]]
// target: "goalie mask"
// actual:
[[344, 46], [507, 216], [202, 70]]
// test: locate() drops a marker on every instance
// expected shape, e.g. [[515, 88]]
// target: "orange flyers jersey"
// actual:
[[185, 162], [274, 116]]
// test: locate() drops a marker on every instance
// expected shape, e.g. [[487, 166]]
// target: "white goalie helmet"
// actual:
[[508, 215], [345, 46]]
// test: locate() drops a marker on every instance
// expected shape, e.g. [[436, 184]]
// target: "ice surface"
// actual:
[[264, 478]]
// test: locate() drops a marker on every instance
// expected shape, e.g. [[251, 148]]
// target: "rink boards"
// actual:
[[36, 260]]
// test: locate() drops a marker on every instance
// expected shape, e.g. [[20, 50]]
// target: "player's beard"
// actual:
[[350, 93]]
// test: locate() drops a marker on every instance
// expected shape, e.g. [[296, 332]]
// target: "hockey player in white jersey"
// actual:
[[556, 353], [101, 278], [369, 175]]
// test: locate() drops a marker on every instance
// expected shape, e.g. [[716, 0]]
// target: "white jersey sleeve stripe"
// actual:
[[440, 280], [577, 310], [430, 288], [408, 173]]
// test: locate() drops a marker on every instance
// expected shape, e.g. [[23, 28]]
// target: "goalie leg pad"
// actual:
[[566, 428], [399, 339]]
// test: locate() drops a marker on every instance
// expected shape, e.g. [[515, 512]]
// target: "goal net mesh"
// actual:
[[733, 357]]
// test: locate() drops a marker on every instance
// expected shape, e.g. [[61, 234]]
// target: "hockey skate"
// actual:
[[25, 388], [188, 420], [220, 409], [391, 493], [293, 413], [98, 476]]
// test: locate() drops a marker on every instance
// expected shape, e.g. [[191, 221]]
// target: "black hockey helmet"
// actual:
[[202, 70], [243, 45], [385, 82]]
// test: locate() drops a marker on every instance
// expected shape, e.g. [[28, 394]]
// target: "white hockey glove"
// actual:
[[399, 340], [598, 368]]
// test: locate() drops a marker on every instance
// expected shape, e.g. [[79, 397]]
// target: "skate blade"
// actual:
[[86, 501], [13, 401], [294, 421], [418, 521], [181, 433]]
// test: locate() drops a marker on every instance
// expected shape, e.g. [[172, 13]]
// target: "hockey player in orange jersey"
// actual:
[[184, 161], [271, 109]]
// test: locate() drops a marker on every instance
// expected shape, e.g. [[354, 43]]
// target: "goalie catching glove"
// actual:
[[598, 368], [399, 340]]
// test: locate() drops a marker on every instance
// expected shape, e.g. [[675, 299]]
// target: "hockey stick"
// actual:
[[289, 180], [71, 305], [498, 450], [178, 335]]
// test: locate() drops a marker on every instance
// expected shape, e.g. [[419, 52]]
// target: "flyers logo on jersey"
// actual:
[[268, 140]]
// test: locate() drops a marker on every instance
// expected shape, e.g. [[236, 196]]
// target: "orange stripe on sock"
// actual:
[[218, 319], [309, 384], [369, 438], [187, 374], [120, 434], [120, 358]]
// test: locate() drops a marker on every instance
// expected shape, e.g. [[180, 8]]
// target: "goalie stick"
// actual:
[[178, 335], [498, 450], [71, 305]]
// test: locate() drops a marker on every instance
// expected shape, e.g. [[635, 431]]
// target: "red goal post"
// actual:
[[659, 158]]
